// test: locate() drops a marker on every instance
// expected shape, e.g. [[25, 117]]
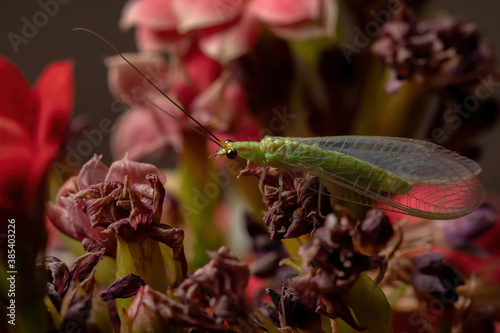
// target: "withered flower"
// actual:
[[441, 51], [125, 287], [124, 200], [297, 214], [332, 266], [332, 252], [267, 255], [220, 285], [374, 232], [461, 232], [433, 276], [57, 274], [153, 311], [61, 288], [84, 264], [293, 311], [100, 184]]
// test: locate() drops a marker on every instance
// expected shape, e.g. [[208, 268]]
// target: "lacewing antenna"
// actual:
[[172, 116], [210, 135]]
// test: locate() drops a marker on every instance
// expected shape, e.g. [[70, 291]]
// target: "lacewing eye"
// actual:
[[231, 154]]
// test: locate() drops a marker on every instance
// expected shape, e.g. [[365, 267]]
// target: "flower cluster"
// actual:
[[224, 29], [63, 284], [298, 211], [439, 52], [199, 85], [333, 266], [219, 286]]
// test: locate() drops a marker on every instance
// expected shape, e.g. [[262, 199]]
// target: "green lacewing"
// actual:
[[409, 176]]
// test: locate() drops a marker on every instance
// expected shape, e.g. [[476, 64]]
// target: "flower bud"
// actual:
[[374, 232], [435, 277], [125, 287], [459, 232]]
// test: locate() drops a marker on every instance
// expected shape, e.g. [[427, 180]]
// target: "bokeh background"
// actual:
[[56, 40]]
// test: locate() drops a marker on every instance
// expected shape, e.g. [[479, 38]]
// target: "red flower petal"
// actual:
[[16, 156], [143, 132], [197, 14], [230, 41], [286, 11], [216, 105], [169, 41], [155, 14], [315, 26], [123, 80], [13, 133], [54, 92], [187, 81], [16, 101], [33, 125], [202, 70]]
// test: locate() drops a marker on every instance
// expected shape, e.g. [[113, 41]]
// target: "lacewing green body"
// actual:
[[403, 175]]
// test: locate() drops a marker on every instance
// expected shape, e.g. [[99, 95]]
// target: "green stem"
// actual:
[[199, 194], [400, 114]]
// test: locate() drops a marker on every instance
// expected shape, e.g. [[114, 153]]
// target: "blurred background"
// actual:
[[56, 40]]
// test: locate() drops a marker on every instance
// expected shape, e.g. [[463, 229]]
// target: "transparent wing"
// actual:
[[444, 184]]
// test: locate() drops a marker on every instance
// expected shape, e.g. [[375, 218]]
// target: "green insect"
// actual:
[[403, 175], [408, 176]]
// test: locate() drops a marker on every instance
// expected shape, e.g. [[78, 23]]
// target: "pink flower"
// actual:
[[225, 29], [156, 26], [199, 86]]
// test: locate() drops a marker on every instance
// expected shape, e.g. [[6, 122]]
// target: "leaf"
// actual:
[[292, 245], [124, 266], [396, 294], [268, 324], [291, 263], [370, 307]]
